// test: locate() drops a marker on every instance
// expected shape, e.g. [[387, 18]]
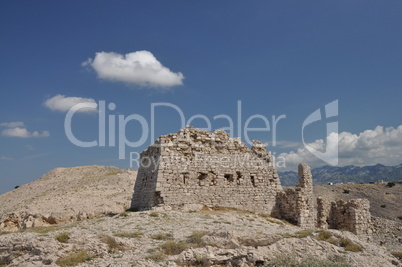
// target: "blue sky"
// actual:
[[276, 57]]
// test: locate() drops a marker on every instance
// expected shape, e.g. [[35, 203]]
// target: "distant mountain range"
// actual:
[[347, 174]]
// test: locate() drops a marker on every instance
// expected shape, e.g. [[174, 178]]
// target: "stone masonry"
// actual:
[[199, 167], [296, 204], [353, 215]]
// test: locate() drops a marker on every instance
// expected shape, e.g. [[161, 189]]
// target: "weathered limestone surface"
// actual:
[[197, 166], [296, 204]]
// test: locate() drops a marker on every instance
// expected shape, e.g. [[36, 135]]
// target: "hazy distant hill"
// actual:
[[347, 174]]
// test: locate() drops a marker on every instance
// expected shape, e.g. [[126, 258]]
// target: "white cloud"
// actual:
[[23, 133], [12, 124], [64, 103], [380, 145], [140, 67], [5, 158]]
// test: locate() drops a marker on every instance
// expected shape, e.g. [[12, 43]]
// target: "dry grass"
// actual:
[[397, 254], [154, 214], [346, 243], [62, 237], [173, 247], [195, 239], [113, 245], [74, 258], [162, 236], [299, 234], [156, 256], [129, 234], [51, 228], [291, 260]]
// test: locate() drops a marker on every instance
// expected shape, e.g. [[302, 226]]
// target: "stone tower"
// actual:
[[199, 167]]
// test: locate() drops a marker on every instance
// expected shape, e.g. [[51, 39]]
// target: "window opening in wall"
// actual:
[[229, 177], [252, 178], [239, 177]]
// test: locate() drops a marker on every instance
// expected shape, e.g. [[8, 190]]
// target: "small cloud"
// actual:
[[29, 147], [64, 103], [140, 67], [12, 124], [5, 158], [23, 133]]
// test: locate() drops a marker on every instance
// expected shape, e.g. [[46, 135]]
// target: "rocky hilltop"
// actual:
[[66, 195]]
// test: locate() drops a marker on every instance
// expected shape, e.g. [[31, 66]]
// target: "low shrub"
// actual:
[[74, 258], [290, 260], [397, 254], [173, 248], [154, 214], [129, 234], [195, 238], [62, 237], [113, 245], [346, 191], [162, 236], [390, 184], [156, 256]]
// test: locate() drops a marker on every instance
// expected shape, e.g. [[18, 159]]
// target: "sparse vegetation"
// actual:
[[383, 206], [74, 258], [173, 247], [397, 254], [156, 256], [113, 245], [62, 237], [15, 187], [201, 261], [299, 234], [195, 238], [162, 236], [154, 214], [399, 217], [390, 184], [346, 243], [51, 228], [346, 191], [290, 260], [129, 234]]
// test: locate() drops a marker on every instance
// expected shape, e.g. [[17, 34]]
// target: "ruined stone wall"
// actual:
[[197, 166], [296, 204], [145, 186], [353, 215]]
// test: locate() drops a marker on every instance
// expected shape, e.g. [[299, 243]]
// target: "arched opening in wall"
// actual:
[[252, 178], [228, 177], [239, 177]]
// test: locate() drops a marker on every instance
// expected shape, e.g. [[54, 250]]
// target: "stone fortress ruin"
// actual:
[[199, 167]]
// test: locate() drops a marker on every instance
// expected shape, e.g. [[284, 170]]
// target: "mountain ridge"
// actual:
[[347, 174]]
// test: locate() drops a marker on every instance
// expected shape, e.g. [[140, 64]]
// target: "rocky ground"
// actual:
[[76, 216], [185, 238]]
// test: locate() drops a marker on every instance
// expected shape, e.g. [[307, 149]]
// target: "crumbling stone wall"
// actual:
[[296, 204], [353, 215], [199, 167]]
